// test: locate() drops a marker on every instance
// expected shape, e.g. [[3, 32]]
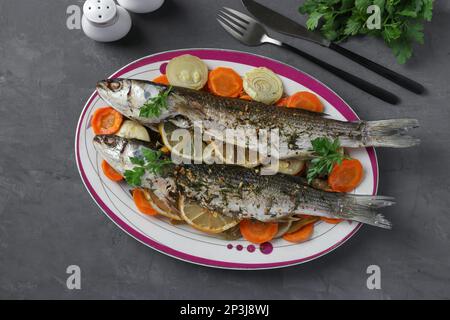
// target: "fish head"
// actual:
[[128, 96], [111, 148], [116, 92], [118, 151]]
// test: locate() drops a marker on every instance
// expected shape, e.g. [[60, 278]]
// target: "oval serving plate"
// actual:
[[182, 241]]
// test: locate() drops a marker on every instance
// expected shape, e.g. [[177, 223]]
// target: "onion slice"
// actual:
[[262, 85], [187, 71]]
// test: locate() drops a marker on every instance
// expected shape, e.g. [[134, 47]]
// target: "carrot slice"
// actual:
[[300, 235], [106, 121], [142, 203], [283, 102], [305, 100], [225, 82], [110, 173], [330, 220], [257, 231], [246, 97], [346, 176], [162, 79]]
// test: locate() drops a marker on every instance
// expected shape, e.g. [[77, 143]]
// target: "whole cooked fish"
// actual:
[[240, 192], [297, 127]]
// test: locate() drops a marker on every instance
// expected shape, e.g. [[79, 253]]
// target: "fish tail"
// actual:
[[363, 209], [389, 133]]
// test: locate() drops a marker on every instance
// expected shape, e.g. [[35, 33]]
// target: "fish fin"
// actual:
[[389, 133], [363, 209], [382, 127]]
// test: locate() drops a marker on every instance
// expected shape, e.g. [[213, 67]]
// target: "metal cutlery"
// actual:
[[282, 24], [250, 32]]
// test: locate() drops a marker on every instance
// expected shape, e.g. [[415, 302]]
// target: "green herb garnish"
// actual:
[[154, 106], [151, 160], [401, 21], [133, 177], [327, 153]]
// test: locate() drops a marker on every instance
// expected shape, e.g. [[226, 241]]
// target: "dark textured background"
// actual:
[[48, 220]]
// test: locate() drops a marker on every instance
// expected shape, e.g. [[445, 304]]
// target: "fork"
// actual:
[[250, 32]]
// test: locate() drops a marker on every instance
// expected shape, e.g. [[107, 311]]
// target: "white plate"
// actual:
[[182, 241]]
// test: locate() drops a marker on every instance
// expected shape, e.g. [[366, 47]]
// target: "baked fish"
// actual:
[[233, 190], [296, 127]]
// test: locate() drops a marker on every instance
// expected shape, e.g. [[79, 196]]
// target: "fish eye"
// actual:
[[114, 85], [109, 140]]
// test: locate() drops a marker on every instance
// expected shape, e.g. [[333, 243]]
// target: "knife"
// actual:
[[284, 25]]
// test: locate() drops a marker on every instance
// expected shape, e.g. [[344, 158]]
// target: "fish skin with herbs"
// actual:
[[237, 191], [297, 127]]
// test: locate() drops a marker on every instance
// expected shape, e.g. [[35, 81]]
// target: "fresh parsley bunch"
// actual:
[[327, 153], [401, 21], [151, 160]]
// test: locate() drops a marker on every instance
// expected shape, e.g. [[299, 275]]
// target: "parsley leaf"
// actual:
[[154, 106], [427, 10], [313, 20], [415, 31], [361, 5], [401, 21], [327, 153], [149, 161], [133, 177], [353, 25], [138, 161], [154, 161], [391, 33], [402, 50]]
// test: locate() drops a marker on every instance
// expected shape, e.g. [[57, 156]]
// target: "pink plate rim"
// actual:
[[244, 58]]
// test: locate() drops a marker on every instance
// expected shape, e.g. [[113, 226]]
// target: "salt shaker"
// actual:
[[141, 6], [105, 21]]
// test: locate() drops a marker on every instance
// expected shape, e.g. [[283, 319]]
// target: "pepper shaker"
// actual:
[[141, 6], [105, 21]]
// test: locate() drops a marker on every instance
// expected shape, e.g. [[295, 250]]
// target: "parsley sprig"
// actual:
[[154, 106], [327, 153], [401, 21], [150, 161]]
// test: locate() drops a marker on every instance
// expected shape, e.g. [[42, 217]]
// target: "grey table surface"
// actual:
[[48, 220]]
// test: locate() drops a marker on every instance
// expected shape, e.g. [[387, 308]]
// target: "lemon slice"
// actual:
[[220, 151], [204, 220], [165, 130], [180, 147], [283, 227], [133, 130], [161, 207]]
